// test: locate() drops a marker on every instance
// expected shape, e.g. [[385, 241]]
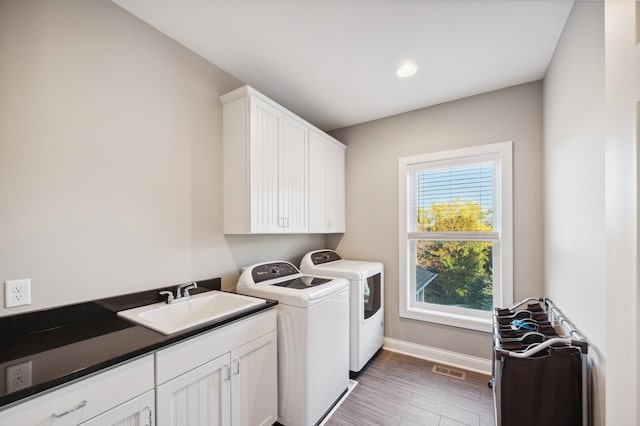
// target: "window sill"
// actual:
[[449, 318]]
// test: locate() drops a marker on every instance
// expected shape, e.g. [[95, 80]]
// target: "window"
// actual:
[[456, 235]]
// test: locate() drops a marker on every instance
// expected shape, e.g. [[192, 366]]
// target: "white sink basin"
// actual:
[[199, 309]]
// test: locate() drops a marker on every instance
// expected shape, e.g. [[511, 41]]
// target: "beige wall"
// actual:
[[622, 88], [591, 95], [110, 158], [372, 194], [574, 182]]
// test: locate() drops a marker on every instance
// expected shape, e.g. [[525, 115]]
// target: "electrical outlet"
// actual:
[[17, 293], [18, 376]]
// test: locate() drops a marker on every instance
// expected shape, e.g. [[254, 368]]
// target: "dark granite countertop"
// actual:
[[62, 344]]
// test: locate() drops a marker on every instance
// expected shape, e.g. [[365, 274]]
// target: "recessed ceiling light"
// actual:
[[406, 70]]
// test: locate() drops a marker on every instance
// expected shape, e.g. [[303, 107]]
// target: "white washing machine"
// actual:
[[366, 316], [313, 338]]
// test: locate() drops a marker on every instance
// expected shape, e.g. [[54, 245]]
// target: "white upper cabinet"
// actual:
[[294, 177], [326, 184], [266, 170]]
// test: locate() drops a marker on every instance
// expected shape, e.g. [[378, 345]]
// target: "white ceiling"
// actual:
[[333, 61]]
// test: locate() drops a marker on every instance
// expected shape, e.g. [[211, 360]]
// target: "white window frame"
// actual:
[[503, 230]]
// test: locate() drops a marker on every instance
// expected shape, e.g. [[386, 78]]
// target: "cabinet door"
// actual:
[[266, 134], [335, 183], [136, 412], [294, 177], [254, 376], [326, 185], [199, 397], [317, 161]]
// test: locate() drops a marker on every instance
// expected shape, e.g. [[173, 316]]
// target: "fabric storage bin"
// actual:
[[540, 369]]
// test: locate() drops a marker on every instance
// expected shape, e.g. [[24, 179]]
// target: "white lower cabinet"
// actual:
[[120, 396], [234, 383], [227, 376]]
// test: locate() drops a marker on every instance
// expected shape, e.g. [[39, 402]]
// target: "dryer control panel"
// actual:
[[269, 271], [324, 256]]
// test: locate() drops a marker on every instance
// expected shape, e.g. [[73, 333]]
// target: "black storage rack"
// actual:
[[541, 369]]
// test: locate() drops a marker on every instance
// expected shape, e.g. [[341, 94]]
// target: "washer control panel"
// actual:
[[269, 271]]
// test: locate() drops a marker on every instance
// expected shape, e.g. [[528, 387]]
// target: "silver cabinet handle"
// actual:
[[71, 410], [150, 418], [227, 372], [236, 364]]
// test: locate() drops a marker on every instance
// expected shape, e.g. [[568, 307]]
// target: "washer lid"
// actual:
[[302, 282], [287, 288], [301, 297]]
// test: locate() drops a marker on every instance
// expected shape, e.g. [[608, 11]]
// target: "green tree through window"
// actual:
[[463, 268]]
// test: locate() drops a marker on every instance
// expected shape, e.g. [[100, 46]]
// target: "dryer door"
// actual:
[[372, 295]]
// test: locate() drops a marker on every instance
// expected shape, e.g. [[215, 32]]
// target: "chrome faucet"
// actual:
[[169, 296], [182, 293], [185, 290]]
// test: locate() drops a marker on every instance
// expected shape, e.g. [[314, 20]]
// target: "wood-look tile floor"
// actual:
[[401, 390]]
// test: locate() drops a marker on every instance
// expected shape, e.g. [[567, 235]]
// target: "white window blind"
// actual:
[[454, 190]]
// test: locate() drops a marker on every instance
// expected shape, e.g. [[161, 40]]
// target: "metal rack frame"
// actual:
[[571, 337]]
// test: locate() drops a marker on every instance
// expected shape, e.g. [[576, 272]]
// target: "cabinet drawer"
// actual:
[[184, 356], [85, 398]]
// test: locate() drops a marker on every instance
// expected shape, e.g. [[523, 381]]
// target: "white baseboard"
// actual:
[[467, 362]]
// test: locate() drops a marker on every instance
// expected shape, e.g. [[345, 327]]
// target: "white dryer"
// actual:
[[313, 338], [366, 316]]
